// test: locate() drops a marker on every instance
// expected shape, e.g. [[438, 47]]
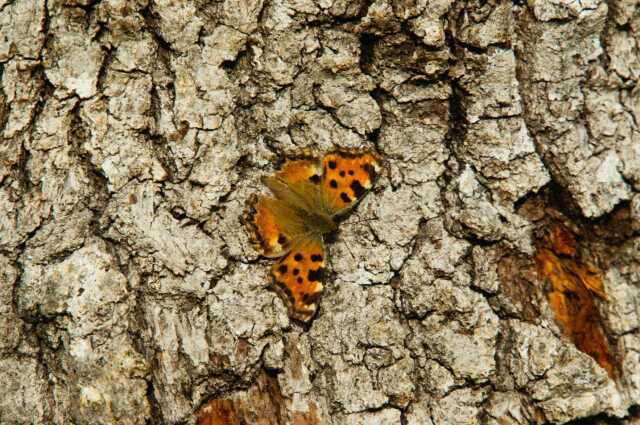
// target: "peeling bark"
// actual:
[[133, 133]]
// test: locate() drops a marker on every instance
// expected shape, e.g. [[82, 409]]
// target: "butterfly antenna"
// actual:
[[346, 243], [359, 221], [363, 220]]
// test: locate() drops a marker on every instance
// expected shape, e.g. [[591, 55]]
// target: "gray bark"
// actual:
[[133, 132]]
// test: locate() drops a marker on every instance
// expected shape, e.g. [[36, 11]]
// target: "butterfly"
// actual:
[[310, 195]]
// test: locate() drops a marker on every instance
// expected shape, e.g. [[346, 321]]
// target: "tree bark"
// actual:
[[492, 276]]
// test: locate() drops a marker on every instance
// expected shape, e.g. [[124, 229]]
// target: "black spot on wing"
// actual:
[[333, 183], [342, 173], [299, 280], [296, 271], [370, 169], [297, 257], [282, 239], [315, 275], [315, 179], [316, 258], [285, 290], [332, 165], [345, 198], [282, 269], [357, 188], [309, 298]]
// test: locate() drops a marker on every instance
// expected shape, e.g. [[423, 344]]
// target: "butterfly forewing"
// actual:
[[347, 176], [298, 276], [300, 171]]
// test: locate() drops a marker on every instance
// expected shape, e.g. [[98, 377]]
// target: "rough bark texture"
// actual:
[[493, 275]]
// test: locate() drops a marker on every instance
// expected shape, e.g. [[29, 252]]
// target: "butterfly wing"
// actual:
[[298, 183], [298, 276], [300, 171], [275, 222], [274, 225], [346, 177]]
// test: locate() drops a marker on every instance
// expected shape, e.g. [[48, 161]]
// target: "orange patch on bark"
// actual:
[[217, 412], [574, 286], [260, 404]]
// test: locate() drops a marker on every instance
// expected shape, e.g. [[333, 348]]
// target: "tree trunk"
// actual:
[[492, 275]]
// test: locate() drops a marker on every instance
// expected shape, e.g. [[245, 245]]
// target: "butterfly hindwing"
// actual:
[[346, 177], [298, 183], [274, 225], [298, 276]]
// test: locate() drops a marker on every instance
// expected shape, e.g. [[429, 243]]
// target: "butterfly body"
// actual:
[[309, 195], [304, 206]]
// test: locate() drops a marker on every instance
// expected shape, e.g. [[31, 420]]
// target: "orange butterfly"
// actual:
[[310, 195]]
